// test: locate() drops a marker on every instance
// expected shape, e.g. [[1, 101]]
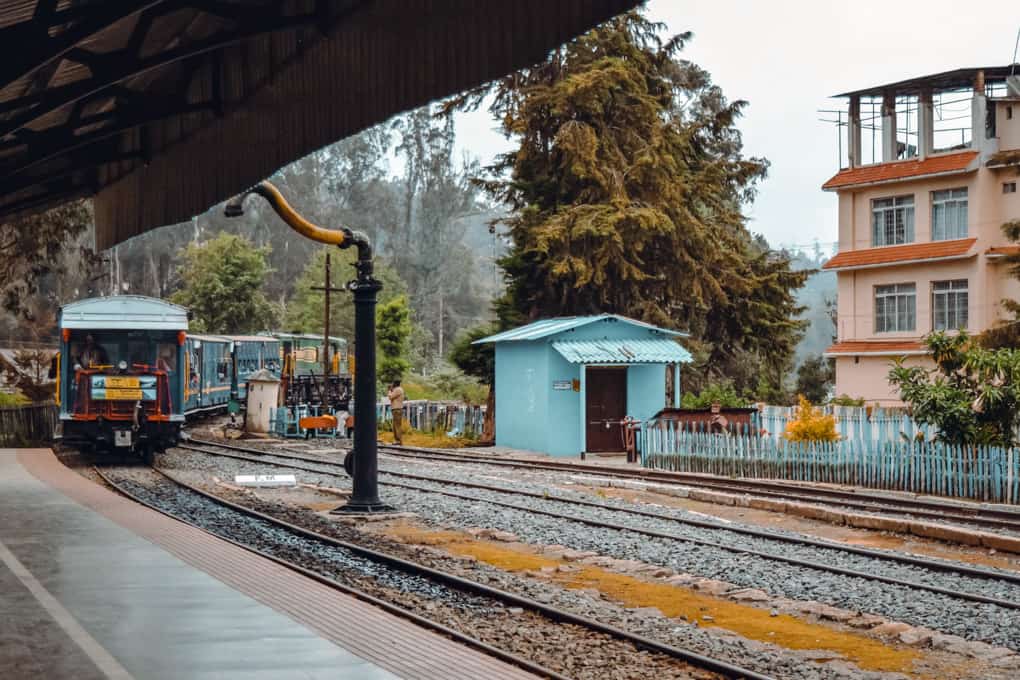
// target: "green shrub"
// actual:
[[811, 425], [722, 393]]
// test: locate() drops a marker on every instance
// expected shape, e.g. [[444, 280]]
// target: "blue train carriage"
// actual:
[[252, 353], [210, 371], [302, 353], [119, 386]]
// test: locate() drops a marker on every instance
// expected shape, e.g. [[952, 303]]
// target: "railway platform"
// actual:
[[94, 586]]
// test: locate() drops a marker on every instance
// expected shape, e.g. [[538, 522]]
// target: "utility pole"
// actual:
[[327, 289]]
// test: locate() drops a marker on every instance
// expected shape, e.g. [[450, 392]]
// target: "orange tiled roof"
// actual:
[[1003, 250], [911, 252], [886, 347], [897, 170]]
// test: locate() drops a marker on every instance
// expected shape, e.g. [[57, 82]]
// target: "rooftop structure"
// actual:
[[921, 206]]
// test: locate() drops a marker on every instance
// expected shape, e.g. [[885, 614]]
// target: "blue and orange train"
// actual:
[[129, 374]]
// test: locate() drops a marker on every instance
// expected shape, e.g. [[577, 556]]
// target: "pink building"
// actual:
[[920, 240]]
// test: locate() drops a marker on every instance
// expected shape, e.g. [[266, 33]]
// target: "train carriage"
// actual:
[[252, 353], [119, 380], [210, 373]]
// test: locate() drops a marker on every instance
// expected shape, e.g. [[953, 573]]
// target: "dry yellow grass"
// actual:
[[673, 601]]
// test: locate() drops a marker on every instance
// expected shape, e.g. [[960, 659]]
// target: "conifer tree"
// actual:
[[626, 195]]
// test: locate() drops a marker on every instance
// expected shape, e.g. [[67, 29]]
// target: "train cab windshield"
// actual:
[[140, 350]]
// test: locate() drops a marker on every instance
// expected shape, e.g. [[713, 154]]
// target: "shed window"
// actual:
[[895, 308], [949, 305], [949, 214], [1009, 187], [892, 221]]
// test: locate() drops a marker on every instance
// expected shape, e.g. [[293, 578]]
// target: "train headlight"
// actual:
[[122, 365]]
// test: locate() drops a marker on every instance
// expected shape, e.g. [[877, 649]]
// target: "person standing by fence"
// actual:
[[396, 397]]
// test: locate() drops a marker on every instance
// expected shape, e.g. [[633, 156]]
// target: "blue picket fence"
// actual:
[[977, 472], [876, 426], [452, 417]]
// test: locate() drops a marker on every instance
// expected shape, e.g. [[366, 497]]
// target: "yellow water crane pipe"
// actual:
[[334, 237], [365, 495]]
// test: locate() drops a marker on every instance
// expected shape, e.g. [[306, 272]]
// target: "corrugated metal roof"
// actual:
[[622, 351], [546, 327]]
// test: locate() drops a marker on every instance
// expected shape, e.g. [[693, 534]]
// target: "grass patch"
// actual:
[[428, 440], [446, 386], [8, 400]]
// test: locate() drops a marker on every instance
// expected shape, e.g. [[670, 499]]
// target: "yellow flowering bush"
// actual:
[[811, 425]]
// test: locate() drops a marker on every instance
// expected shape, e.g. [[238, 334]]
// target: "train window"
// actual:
[[166, 357], [223, 369]]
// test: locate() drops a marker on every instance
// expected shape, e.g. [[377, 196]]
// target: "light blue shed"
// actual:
[[564, 385]]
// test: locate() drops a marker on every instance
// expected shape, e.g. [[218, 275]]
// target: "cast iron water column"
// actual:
[[365, 496]]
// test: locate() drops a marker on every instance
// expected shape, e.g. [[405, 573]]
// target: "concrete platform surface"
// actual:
[[94, 586]]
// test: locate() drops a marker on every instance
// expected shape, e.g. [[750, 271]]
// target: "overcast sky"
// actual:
[[786, 57]]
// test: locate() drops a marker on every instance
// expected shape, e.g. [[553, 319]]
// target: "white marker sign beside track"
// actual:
[[265, 480]]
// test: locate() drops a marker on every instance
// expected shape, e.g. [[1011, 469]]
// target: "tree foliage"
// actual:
[[972, 396], [625, 194], [815, 377], [222, 286], [393, 328], [722, 393], [306, 309], [35, 246], [478, 361], [1007, 333]]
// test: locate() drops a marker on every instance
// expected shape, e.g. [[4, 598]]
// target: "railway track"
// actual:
[[777, 548], [978, 515], [374, 576]]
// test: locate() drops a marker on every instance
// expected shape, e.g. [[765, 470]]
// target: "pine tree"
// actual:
[[626, 193]]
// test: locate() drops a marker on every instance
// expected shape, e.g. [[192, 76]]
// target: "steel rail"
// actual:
[[904, 559], [458, 582], [388, 607], [982, 516]]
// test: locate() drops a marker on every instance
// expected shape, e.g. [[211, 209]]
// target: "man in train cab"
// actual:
[[396, 397], [165, 361], [92, 354]]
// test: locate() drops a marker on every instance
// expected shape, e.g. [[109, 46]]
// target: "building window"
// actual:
[[949, 305], [892, 221], [1009, 113], [948, 214], [1009, 187], [895, 308]]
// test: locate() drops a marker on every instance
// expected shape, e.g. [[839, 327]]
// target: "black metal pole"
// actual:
[[365, 497]]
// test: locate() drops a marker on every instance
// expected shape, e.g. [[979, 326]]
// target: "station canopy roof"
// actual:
[[161, 109]]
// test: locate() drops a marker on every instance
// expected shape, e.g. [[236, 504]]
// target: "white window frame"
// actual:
[[951, 206], [950, 305], [895, 308], [896, 216]]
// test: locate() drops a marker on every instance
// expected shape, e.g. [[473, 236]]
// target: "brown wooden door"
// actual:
[[605, 406]]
